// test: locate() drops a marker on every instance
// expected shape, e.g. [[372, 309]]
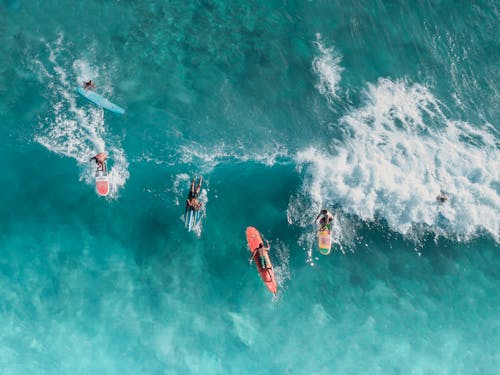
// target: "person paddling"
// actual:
[[192, 200], [265, 262], [324, 219], [88, 85], [100, 159]]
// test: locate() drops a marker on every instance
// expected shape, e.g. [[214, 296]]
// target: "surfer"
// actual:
[[100, 159], [263, 251], [192, 200], [88, 85], [324, 219], [442, 197]]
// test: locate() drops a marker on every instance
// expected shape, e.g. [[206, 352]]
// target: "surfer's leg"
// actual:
[[268, 261]]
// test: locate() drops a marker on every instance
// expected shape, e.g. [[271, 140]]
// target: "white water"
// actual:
[[280, 254], [401, 152], [210, 157], [70, 130], [327, 68]]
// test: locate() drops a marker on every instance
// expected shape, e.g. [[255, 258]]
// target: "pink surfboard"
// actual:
[[102, 183]]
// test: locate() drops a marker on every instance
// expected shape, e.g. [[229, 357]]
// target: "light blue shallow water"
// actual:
[[367, 108]]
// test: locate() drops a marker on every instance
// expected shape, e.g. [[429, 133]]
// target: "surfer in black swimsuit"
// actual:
[[100, 158], [442, 197], [88, 85], [192, 200]]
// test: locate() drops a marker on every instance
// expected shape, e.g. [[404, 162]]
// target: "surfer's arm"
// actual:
[[253, 254], [198, 188]]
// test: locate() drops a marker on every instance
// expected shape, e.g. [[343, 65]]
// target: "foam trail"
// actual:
[[327, 67], [72, 131], [400, 152], [118, 174], [206, 158], [84, 71], [210, 157], [180, 187], [282, 268]]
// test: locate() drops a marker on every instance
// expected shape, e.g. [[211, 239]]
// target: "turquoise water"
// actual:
[[369, 108]]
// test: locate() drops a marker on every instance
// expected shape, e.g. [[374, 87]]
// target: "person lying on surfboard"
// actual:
[[88, 85], [100, 158], [324, 219], [192, 200], [263, 255]]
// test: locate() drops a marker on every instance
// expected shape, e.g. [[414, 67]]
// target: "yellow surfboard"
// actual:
[[324, 241]]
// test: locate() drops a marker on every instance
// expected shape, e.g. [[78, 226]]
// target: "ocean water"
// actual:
[[368, 108]]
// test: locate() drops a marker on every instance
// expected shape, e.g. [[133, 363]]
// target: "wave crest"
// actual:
[[400, 153], [67, 129], [327, 67]]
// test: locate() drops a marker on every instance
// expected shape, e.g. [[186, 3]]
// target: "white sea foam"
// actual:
[[400, 153], [209, 157], [69, 130], [206, 158], [118, 174], [327, 67], [85, 71], [179, 187], [281, 266], [221, 153]]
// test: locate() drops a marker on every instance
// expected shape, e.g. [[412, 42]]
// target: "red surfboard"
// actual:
[[102, 182], [254, 239]]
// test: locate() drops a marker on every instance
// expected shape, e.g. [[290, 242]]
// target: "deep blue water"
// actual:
[[368, 108]]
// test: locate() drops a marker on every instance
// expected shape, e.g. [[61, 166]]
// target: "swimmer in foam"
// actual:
[[100, 159], [324, 219], [442, 197], [88, 85], [192, 200]]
